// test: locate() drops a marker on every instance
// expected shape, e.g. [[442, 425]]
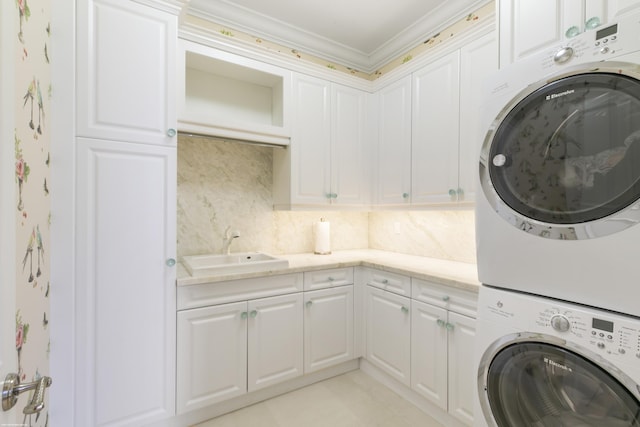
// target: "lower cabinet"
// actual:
[[442, 345], [388, 333], [226, 350], [328, 327]]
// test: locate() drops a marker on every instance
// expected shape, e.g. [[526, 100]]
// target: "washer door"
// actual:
[[536, 382], [564, 154]]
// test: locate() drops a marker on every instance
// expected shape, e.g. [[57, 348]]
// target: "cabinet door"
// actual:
[[393, 164], [435, 129], [212, 355], [328, 327], [429, 352], [275, 337], [311, 142], [125, 275], [126, 75], [462, 376], [478, 60], [349, 183], [388, 325], [528, 27]]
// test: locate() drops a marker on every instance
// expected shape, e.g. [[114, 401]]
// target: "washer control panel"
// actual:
[[612, 335]]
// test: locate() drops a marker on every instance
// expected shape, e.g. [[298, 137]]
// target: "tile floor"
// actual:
[[350, 400]]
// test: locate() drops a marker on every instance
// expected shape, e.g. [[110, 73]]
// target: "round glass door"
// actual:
[[567, 153], [535, 384]]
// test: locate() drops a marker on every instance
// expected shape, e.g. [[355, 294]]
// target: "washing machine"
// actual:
[[558, 208], [545, 363]]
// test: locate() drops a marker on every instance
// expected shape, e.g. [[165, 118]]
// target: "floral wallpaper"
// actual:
[[32, 142], [429, 42]]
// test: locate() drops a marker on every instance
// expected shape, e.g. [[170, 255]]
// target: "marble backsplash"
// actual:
[[228, 184]]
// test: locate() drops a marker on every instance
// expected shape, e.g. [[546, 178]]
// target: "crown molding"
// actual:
[[261, 26]]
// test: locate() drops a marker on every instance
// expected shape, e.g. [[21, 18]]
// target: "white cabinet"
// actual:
[[275, 331], [393, 163], [432, 127], [442, 343], [125, 282], [230, 349], [527, 28], [435, 129], [212, 355], [230, 96], [462, 376], [388, 333], [126, 72], [328, 327], [478, 60], [326, 163]]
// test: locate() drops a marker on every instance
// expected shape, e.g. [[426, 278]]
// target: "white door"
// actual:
[[274, 336], [328, 327], [7, 208], [462, 376], [389, 333], [211, 355], [434, 136]]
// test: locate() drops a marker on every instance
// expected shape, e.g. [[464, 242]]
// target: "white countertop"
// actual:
[[451, 273]]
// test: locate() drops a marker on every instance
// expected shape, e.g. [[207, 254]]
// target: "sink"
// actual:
[[245, 262]]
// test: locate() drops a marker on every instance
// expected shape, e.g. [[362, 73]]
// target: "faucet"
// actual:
[[228, 238]]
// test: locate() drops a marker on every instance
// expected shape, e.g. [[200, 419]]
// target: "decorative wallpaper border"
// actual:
[[430, 42]]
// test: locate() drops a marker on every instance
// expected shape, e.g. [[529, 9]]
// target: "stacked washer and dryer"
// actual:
[[558, 239]]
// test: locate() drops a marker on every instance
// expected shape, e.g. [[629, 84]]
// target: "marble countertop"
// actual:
[[451, 273]]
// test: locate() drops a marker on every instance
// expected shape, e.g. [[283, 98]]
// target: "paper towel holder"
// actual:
[[322, 238]]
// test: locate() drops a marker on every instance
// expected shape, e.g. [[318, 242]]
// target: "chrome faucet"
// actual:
[[228, 238]]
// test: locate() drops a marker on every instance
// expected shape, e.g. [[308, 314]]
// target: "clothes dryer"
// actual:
[[543, 362], [559, 206]]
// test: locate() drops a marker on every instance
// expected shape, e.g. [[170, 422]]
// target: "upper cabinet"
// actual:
[[126, 72], [527, 28], [393, 164], [226, 95], [326, 163], [431, 127], [435, 128]]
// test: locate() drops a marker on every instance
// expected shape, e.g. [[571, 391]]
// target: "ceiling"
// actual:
[[360, 34]]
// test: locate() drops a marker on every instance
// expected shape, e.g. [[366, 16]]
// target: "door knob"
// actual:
[[12, 388]]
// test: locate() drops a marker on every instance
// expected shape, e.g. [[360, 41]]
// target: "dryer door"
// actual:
[[564, 155], [537, 383]]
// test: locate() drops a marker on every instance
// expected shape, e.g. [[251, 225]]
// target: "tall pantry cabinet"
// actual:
[[125, 185]]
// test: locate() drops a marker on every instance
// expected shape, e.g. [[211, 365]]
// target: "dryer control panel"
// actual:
[[601, 44]]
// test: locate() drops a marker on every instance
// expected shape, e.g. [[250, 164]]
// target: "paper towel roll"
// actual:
[[322, 232]]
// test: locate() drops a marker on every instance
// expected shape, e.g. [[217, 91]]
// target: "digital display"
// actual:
[[606, 31], [603, 325]]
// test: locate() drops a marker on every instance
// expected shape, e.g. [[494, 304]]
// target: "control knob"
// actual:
[[563, 55], [560, 323]]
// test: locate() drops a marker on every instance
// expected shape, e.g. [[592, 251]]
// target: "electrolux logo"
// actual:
[[558, 95], [557, 365]]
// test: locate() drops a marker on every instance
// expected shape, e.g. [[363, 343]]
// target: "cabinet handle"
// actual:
[[445, 298], [309, 304], [171, 132], [331, 279], [405, 195], [170, 262], [253, 313], [572, 32], [404, 309], [334, 196], [449, 326], [244, 315], [385, 281], [460, 194], [592, 23], [453, 194], [440, 322]]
